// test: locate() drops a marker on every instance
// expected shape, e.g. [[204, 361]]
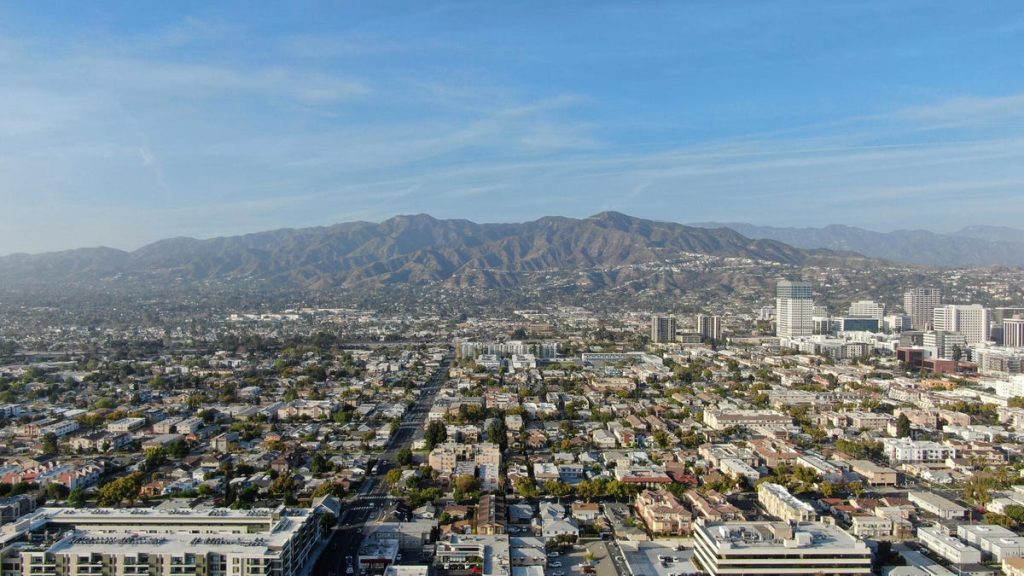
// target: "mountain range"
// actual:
[[970, 246], [411, 250]]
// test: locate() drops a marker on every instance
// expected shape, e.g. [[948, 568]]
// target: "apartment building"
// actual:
[[778, 502], [662, 512]]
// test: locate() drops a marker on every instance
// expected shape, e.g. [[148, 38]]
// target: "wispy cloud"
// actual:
[[968, 111]]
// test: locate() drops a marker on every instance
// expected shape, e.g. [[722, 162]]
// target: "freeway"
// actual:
[[373, 492]]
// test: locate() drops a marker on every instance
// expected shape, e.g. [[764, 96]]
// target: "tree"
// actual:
[[76, 498], [319, 464], [497, 433], [436, 433], [828, 489], [283, 486], [404, 457], [525, 487], [56, 491], [661, 437], [155, 457], [329, 488], [557, 488], [588, 490], [856, 487], [50, 443], [467, 488], [903, 426], [178, 449], [124, 489]]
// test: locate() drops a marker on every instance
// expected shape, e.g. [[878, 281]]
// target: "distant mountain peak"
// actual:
[[973, 246]]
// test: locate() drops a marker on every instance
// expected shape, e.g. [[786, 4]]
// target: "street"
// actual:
[[373, 492]]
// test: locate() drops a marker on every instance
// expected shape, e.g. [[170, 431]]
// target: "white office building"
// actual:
[[778, 549], [972, 321], [1013, 332], [867, 309]]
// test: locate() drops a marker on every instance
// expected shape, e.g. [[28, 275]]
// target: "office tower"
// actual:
[[1003, 312], [709, 327], [919, 303], [897, 323], [944, 345], [867, 309], [1013, 332], [663, 329], [794, 308], [972, 321]]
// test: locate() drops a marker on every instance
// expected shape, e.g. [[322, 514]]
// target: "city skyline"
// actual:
[[121, 126]]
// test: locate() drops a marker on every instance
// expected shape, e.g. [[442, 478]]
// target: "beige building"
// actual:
[[663, 513], [874, 474]]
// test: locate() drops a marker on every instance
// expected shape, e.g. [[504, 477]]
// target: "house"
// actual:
[[586, 513]]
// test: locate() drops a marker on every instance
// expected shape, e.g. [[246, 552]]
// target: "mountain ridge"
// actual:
[[409, 249], [971, 246]]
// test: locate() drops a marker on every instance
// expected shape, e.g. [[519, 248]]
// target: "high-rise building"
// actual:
[[663, 329], [709, 327], [867, 309], [897, 323], [1013, 332], [919, 303], [794, 309], [1003, 312], [971, 320], [944, 345]]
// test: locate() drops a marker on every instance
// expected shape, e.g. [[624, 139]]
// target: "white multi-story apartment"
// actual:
[[919, 303], [971, 320], [778, 548], [905, 450], [759, 420], [778, 502], [948, 547], [154, 542], [794, 309], [994, 540]]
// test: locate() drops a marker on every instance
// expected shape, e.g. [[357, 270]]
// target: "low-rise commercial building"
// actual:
[[778, 549], [938, 506]]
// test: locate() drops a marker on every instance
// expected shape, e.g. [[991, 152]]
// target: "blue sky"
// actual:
[[123, 123]]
